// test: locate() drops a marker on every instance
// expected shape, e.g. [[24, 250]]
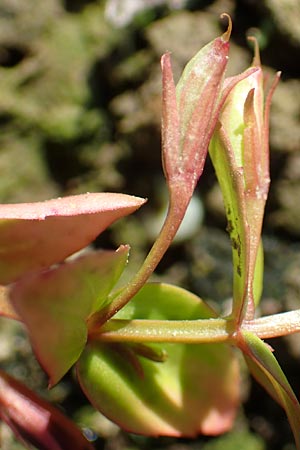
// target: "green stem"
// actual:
[[177, 208], [274, 326], [172, 331], [194, 331]]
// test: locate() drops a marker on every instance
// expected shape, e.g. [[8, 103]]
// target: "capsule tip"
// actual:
[[227, 34], [256, 58]]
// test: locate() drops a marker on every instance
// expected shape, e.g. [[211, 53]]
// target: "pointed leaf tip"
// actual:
[[227, 34]]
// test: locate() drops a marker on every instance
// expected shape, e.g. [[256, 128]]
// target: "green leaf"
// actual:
[[247, 275], [265, 368], [232, 187], [34, 236], [258, 275], [55, 305], [195, 390]]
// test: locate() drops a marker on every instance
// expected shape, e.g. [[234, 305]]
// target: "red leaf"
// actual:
[[35, 421], [34, 236]]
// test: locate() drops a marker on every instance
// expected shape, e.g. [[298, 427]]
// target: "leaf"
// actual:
[[55, 306], [258, 279], [36, 235], [265, 368], [247, 257], [231, 183], [35, 421], [196, 390]]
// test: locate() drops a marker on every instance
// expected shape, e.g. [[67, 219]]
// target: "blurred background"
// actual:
[[80, 101]]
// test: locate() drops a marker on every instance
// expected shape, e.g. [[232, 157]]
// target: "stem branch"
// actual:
[[274, 326], [167, 331]]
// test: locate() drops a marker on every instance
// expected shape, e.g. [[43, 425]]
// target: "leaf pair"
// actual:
[[34, 236], [56, 303], [195, 390]]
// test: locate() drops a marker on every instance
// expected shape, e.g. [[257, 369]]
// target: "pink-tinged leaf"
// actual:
[[36, 235], [35, 421], [56, 304], [265, 368], [193, 390]]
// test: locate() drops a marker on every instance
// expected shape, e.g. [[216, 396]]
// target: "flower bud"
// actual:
[[190, 111], [240, 154]]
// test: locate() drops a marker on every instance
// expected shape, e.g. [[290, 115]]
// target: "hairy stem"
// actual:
[[176, 212], [172, 331], [194, 331], [274, 326]]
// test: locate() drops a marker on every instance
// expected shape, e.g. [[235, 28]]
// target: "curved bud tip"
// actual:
[[256, 58], [226, 36]]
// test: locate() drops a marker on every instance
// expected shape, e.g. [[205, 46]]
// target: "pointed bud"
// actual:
[[190, 111], [242, 136]]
